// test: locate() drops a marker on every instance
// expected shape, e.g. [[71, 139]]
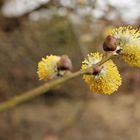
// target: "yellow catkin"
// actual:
[[47, 67], [107, 81], [128, 39]]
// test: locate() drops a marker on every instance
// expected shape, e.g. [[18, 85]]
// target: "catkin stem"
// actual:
[[45, 87]]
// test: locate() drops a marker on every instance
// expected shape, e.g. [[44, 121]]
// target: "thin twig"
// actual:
[[45, 87], [83, 48]]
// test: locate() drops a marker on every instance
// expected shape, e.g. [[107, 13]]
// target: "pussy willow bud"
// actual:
[[103, 79], [64, 63], [94, 70], [128, 39], [110, 43]]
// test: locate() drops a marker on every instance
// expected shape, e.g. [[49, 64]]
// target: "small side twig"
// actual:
[[45, 87]]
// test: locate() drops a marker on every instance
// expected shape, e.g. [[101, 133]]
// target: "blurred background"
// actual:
[[31, 29]]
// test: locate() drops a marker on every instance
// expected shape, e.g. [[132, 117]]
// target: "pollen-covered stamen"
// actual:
[[47, 67], [126, 35], [53, 66], [128, 39], [106, 78]]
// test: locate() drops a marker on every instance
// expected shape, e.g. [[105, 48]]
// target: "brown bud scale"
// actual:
[[64, 63], [110, 43]]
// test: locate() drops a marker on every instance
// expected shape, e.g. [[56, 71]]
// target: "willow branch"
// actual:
[[45, 87]]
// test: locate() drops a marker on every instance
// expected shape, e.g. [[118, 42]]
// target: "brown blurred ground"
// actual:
[[101, 117]]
